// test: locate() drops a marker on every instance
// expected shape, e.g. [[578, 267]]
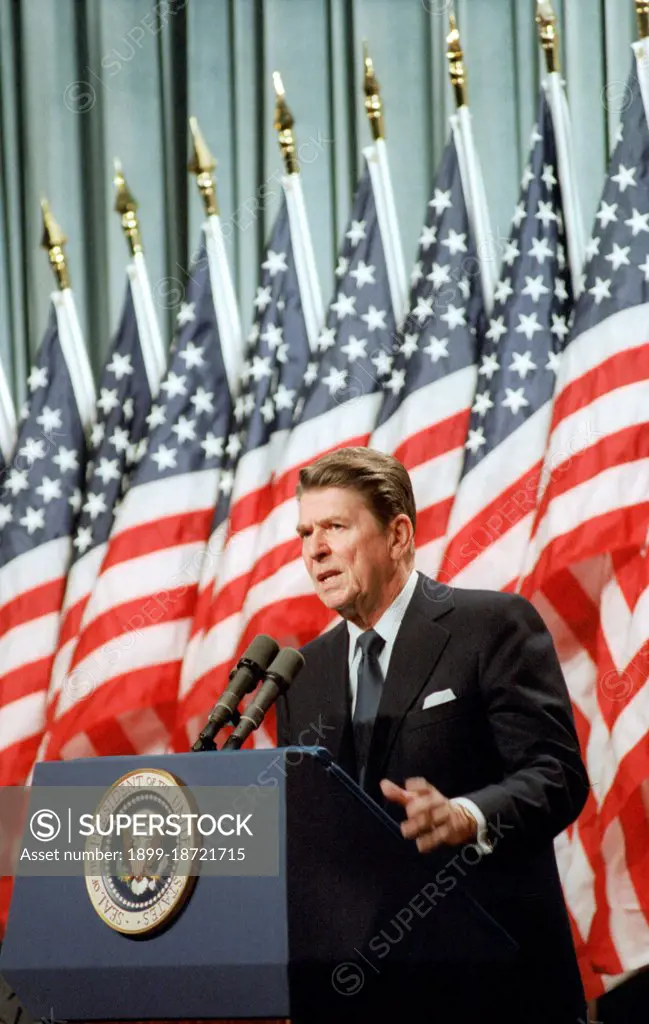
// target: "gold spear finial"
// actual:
[[126, 207], [642, 17], [203, 165], [373, 101], [53, 240], [456, 69], [547, 22], [283, 125]]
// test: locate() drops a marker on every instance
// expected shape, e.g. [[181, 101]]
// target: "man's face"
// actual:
[[347, 553]]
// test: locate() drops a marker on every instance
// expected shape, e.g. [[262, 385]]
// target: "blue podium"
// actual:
[[354, 925]]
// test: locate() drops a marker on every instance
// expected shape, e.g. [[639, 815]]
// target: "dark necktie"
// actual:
[[368, 695]]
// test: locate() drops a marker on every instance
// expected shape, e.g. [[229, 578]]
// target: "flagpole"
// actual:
[[641, 51], [7, 418], [472, 181], [151, 344], [377, 158], [202, 164], [575, 235], [70, 334], [305, 265]]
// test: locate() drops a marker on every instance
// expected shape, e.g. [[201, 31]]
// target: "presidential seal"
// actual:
[[137, 874]]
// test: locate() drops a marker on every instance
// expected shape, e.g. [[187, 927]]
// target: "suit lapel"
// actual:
[[419, 644], [333, 700]]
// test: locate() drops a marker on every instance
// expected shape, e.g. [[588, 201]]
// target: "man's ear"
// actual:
[[402, 535]]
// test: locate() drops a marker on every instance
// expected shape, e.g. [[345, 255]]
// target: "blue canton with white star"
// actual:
[[40, 489], [440, 333], [188, 422], [529, 325], [123, 403], [360, 321]]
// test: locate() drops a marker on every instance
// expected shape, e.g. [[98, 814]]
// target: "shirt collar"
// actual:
[[388, 625]]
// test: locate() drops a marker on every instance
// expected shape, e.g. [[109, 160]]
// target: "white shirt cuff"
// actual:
[[482, 842]]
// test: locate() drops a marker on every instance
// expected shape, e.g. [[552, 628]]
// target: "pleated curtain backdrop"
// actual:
[[83, 81]]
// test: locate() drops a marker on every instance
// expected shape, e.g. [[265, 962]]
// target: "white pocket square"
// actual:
[[440, 697]]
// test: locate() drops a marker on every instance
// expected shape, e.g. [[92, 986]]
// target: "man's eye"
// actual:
[[336, 526]]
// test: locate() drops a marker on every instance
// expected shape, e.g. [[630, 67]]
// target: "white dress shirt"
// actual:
[[388, 627]]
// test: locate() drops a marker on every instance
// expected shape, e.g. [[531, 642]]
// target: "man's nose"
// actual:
[[318, 546]]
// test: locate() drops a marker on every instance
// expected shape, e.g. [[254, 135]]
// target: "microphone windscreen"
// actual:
[[261, 650], [287, 664]]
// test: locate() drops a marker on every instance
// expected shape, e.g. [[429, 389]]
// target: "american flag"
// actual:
[[276, 360], [128, 656], [429, 390], [131, 373], [492, 515], [38, 508], [338, 405]]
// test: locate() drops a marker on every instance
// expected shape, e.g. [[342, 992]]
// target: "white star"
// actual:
[[439, 275], [548, 177], [32, 450], [496, 329], [108, 400], [503, 290], [273, 336], [592, 248], [619, 256], [482, 404], [226, 481], [94, 505], [397, 381], [519, 214], [345, 305], [545, 213], [559, 327], [5, 515], [49, 489], [554, 361], [186, 313], [16, 481], [528, 177], [455, 242], [624, 178], [108, 469], [410, 344], [311, 374], [37, 378], [638, 222], [174, 385], [428, 237], [263, 298], [74, 501], [535, 135], [156, 417], [275, 262], [282, 353], [202, 401], [535, 288], [423, 309], [66, 459], [600, 290], [489, 366], [120, 439], [515, 400], [83, 539], [528, 325], [49, 419], [260, 368], [441, 201], [356, 231], [417, 273], [522, 363], [454, 316], [374, 318], [363, 274], [327, 338], [34, 519], [644, 267], [560, 289], [540, 249], [336, 380], [606, 214], [240, 408], [120, 365], [164, 458], [342, 266], [475, 440], [284, 397], [268, 411], [192, 355], [253, 333], [234, 446], [355, 348], [511, 252], [184, 429], [383, 363], [437, 348], [128, 409], [212, 446]]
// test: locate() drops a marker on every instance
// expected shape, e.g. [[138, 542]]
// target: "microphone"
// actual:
[[243, 678], [279, 676]]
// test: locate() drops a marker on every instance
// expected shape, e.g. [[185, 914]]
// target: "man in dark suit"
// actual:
[[450, 708]]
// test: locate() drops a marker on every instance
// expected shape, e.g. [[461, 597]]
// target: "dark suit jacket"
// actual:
[[507, 741]]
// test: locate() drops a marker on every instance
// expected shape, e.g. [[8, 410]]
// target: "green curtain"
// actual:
[[84, 81]]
